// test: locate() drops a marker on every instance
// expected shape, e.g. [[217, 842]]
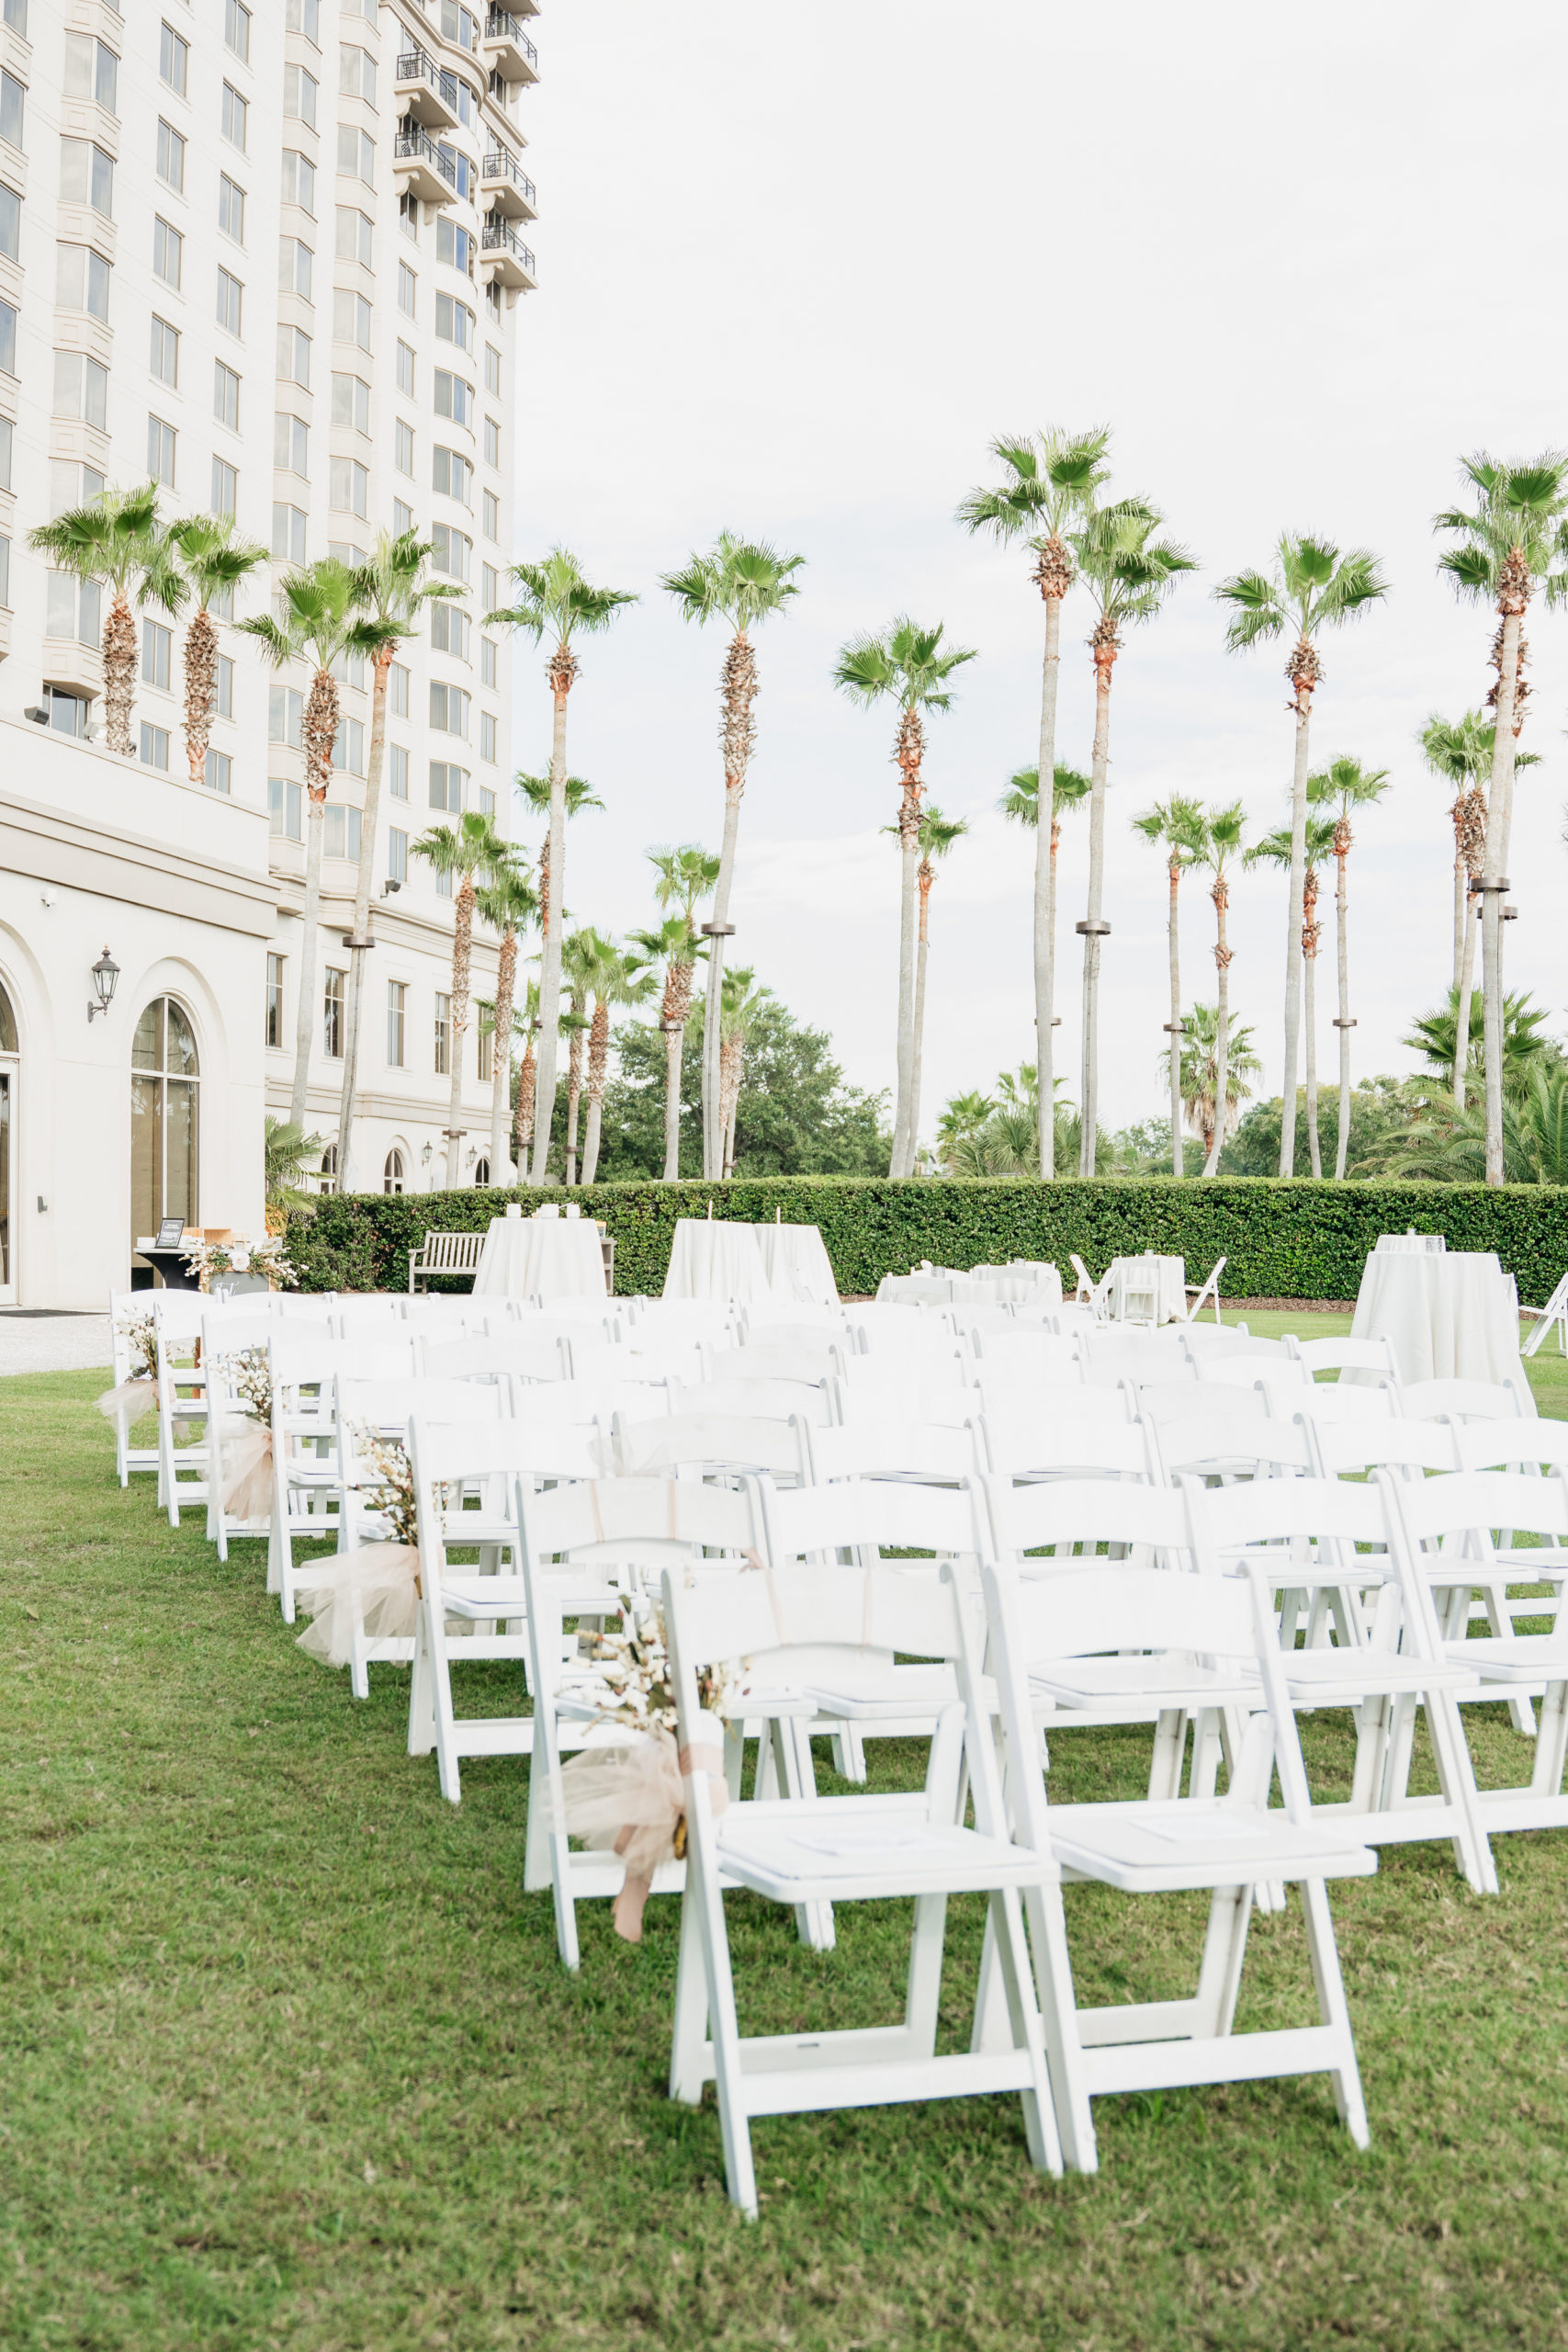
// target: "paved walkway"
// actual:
[[52, 1343]]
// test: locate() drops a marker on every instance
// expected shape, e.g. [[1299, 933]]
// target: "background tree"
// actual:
[[471, 851], [1513, 540], [1128, 573], [684, 877], [1312, 588], [1345, 787], [1278, 849], [1216, 1062], [741, 581], [1223, 845], [619, 978], [288, 1157], [743, 1003], [1021, 802], [536, 791], [313, 620], [578, 952], [118, 540], [213, 561], [1048, 481], [1176, 827], [522, 1115], [555, 600], [508, 901], [910, 667], [390, 592], [1433, 1036]]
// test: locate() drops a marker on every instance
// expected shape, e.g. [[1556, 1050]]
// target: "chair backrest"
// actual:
[[809, 1355], [870, 1389], [227, 1334], [1339, 1449], [578, 1308], [1472, 1502], [1228, 1521], [390, 1404], [1078, 1611], [1089, 1512], [447, 1452], [1249, 1371], [589, 1359], [519, 1349], [1213, 1441], [640, 1521], [1331, 1401], [1531, 1442], [678, 1318], [1109, 1356], [311, 1358], [1030, 1445], [1159, 1401], [863, 1514], [554, 1403], [1344, 1354], [730, 1442], [1202, 1341], [1039, 1353], [890, 1449], [1464, 1400], [1018, 1405], [768, 1400]]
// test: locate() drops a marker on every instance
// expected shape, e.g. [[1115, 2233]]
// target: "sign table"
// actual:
[[542, 1256], [1452, 1315]]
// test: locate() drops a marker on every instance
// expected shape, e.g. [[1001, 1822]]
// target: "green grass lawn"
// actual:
[[286, 2058]]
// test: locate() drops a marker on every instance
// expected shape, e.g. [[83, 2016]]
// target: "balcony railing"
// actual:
[[496, 237], [500, 165], [417, 146], [502, 25], [417, 67]]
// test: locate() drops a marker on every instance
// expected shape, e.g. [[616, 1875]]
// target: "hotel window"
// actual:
[[403, 446], [299, 96], [157, 653], [454, 397], [348, 758], [171, 157], [80, 281], [356, 154], [331, 1013], [155, 746], [489, 518], [449, 630], [275, 1001], [291, 444], [490, 731], [168, 254], [398, 690], [10, 222], [453, 246], [356, 73], [397, 854], [397, 1012], [68, 714], [225, 486], [284, 808], [165, 357], [351, 402], [445, 786], [92, 71], [408, 287], [443, 1039], [489, 586], [493, 369], [355, 236], [232, 208], [285, 716], [225, 396], [405, 370], [87, 174], [237, 30], [350, 487], [454, 322], [449, 710], [402, 517], [299, 181], [81, 389], [174, 59], [393, 1174], [294, 356], [450, 551], [7, 339], [287, 533], [73, 608], [225, 687], [487, 1046], [231, 309], [235, 116], [305, 16], [408, 215], [351, 318], [220, 772], [161, 441], [487, 661], [492, 443], [294, 261], [452, 475], [13, 107], [398, 771], [7, 437]]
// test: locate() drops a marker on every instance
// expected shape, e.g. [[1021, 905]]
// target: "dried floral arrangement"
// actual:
[[633, 1662], [248, 1374], [207, 1260]]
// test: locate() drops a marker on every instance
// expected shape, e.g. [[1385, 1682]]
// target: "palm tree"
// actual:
[[1459, 752], [619, 978], [1434, 1036], [1513, 539], [288, 1156], [1222, 843], [938, 834], [1345, 786], [743, 1002], [555, 600], [580, 952], [472, 850], [391, 592], [213, 559], [118, 540], [910, 667], [742, 582], [510, 904], [1177, 826], [1070, 789], [1128, 573], [523, 1125], [1049, 480], [536, 791], [1312, 588], [1276, 849], [686, 877], [1216, 1062], [314, 620]]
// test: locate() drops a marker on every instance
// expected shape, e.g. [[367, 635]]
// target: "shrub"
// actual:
[[1280, 1239]]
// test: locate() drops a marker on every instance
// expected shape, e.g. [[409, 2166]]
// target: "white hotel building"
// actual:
[[273, 255]]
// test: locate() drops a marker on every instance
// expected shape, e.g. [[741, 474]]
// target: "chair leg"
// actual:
[[734, 2123], [686, 2073], [1006, 1917], [1058, 2015], [1551, 1742], [421, 1705], [923, 1997], [1225, 1950], [797, 1773], [1334, 2009], [1456, 1777], [1165, 1765]]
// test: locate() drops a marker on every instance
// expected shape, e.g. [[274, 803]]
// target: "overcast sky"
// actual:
[[797, 266]]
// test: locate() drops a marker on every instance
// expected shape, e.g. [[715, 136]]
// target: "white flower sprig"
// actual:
[[248, 1374], [634, 1665]]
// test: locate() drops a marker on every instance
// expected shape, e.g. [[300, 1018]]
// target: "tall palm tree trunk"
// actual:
[[318, 734], [1051, 572], [731, 1060], [1512, 591], [738, 735], [677, 1005], [1304, 670], [1309, 996], [598, 1065], [1342, 950], [1177, 1167], [562, 672], [501, 1055], [1221, 898], [573, 1097], [922, 948], [523, 1126], [908, 751], [359, 940], [1462, 889], [1103, 644], [201, 682], [462, 951], [1461, 1014], [119, 673]]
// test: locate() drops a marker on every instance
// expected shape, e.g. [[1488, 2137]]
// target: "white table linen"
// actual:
[[796, 1261], [716, 1258], [540, 1257], [1449, 1315]]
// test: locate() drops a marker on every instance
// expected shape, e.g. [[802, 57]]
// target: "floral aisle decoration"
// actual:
[[208, 1261], [243, 1441], [138, 1394], [375, 1588], [626, 1794]]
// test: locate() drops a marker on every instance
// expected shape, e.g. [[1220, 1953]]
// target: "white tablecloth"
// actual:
[[1172, 1279], [541, 1257], [714, 1258], [1453, 1317], [796, 1263]]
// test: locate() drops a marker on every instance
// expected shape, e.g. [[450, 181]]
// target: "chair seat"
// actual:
[[854, 1848], [1147, 1847], [1165, 1678], [1317, 1676], [887, 1694], [1512, 1657]]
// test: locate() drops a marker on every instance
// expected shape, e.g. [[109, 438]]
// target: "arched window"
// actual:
[[393, 1175], [481, 1169], [164, 1126], [329, 1168], [8, 1076]]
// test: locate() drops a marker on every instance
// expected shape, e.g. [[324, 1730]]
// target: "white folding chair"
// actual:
[[1552, 1317], [1109, 1356], [1228, 1846], [1029, 1446], [845, 1849], [1466, 1400], [1343, 1355], [753, 1400], [1205, 1294], [1095, 1296], [882, 1387], [524, 1351], [724, 1445], [225, 1340], [1017, 1404], [917, 1453], [809, 1355], [182, 1400], [307, 1481], [1136, 1291], [1035, 1354], [1217, 1442], [133, 1354]]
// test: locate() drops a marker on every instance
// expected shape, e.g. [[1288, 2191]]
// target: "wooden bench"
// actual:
[[444, 1253]]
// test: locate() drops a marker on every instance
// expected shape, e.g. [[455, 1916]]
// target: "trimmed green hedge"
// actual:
[[1296, 1240]]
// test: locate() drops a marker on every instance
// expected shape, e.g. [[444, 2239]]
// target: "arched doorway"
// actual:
[[164, 1126], [394, 1172], [10, 1065]]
